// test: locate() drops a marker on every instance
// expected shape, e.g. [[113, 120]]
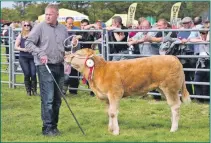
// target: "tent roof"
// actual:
[[124, 19], [63, 13]]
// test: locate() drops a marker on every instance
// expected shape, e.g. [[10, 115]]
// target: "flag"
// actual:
[[174, 11], [131, 14]]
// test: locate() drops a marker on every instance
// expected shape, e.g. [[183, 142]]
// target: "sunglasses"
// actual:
[[26, 25], [203, 33], [186, 23]]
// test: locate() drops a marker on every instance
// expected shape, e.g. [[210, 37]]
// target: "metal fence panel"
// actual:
[[105, 48]]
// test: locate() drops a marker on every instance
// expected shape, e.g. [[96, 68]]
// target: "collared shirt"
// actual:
[[195, 34], [47, 40], [146, 49]]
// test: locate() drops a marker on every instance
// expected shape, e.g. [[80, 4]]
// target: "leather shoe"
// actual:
[[50, 132], [56, 131]]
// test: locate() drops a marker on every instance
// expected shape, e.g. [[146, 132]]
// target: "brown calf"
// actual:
[[114, 80]]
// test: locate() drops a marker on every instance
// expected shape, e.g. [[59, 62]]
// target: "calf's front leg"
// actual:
[[113, 114]]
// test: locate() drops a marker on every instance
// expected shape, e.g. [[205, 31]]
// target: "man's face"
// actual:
[[83, 25], [187, 25], [99, 24], [69, 23], [161, 25], [145, 25], [51, 15]]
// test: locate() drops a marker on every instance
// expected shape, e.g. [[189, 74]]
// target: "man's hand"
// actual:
[[147, 38], [75, 41], [77, 37], [44, 59], [184, 41], [24, 50], [130, 43]]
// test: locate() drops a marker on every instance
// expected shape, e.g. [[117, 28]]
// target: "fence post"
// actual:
[[107, 46], [102, 44], [10, 57]]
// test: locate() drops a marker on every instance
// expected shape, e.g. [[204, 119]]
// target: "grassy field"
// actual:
[[140, 120]]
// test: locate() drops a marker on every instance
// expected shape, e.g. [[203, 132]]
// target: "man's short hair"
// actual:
[[164, 21], [197, 20], [117, 19], [69, 18], [85, 21], [53, 6], [145, 20], [141, 19]]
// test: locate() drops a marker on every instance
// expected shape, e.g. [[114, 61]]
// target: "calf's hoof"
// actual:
[[110, 129], [173, 129], [116, 133]]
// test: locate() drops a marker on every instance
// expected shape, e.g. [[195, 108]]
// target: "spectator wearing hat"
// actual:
[[204, 63]]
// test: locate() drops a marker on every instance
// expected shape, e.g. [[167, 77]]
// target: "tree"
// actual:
[[21, 5], [10, 14], [104, 10]]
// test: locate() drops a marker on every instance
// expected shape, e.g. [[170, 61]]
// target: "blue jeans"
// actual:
[[28, 67], [50, 94]]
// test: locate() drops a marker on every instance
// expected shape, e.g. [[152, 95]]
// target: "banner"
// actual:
[[174, 11], [131, 14]]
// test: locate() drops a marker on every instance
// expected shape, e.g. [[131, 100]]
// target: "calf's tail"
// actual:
[[185, 93]]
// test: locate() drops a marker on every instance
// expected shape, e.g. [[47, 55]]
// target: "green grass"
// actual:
[[140, 120]]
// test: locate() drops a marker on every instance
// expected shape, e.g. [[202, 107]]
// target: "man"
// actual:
[[198, 22], [72, 82], [204, 63], [161, 24], [46, 44], [83, 37], [98, 25], [133, 33], [69, 22], [118, 37], [197, 25], [139, 38], [187, 23]]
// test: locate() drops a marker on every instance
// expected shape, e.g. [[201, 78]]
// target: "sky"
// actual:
[[7, 4]]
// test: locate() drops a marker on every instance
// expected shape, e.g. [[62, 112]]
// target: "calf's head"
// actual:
[[77, 59]]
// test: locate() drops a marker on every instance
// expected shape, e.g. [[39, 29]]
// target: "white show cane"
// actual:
[[64, 98]]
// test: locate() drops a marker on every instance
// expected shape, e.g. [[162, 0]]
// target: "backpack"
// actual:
[[165, 46]]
